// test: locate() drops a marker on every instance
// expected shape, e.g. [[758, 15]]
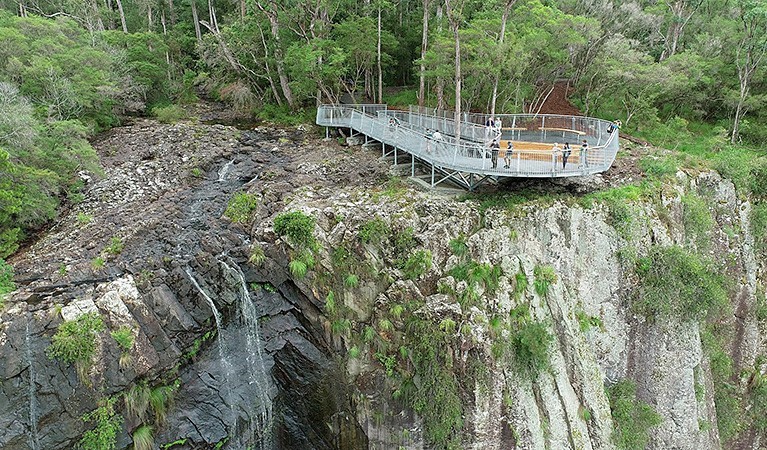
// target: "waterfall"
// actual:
[[34, 443], [222, 173], [258, 413], [261, 427], [223, 352]]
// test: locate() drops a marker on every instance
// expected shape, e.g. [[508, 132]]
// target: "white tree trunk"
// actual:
[[122, 15], [424, 44], [380, 71]]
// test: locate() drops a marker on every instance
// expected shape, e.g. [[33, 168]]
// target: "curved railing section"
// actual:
[[533, 137]]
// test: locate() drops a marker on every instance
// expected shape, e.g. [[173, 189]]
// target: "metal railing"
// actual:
[[471, 154]]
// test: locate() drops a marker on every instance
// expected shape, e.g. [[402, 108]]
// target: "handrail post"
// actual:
[[518, 161]]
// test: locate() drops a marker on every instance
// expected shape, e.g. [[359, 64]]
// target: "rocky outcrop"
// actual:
[[401, 336]]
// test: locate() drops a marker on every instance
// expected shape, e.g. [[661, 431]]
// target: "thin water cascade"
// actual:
[[258, 412], [260, 428], [223, 352], [224, 171], [33, 437]]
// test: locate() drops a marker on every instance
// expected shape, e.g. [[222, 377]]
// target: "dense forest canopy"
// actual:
[[671, 70]]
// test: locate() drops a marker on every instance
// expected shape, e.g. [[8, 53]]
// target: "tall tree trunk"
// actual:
[[380, 72], [149, 18], [267, 69], [171, 13], [452, 16], [424, 44], [243, 10], [274, 23], [196, 19], [122, 15], [504, 19]]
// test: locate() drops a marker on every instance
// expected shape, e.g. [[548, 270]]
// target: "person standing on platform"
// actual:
[[555, 152], [566, 150], [584, 154], [509, 152], [494, 149]]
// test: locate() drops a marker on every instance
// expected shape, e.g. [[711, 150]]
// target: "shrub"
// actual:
[[6, 279], [530, 344], [675, 282], [75, 342], [330, 303], [108, 424], [544, 278], [520, 284], [458, 246], [297, 227], [143, 438], [374, 231], [168, 114], [115, 246], [632, 418], [97, 263], [241, 207], [417, 264], [659, 167]]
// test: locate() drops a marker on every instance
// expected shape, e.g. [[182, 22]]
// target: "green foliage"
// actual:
[[124, 338], [168, 114], [143, 438], [632, 418], [530, 345], [544, 278], [520, 284], [136, 401], [257, 255], [241, 207], [437, 385], [97, 263], [388, 361], [354, 352], [404, 242], [351, 281], [476, 275], [298, 268], [283, 115], [417, 264], [330, 303], [697, 220], [160, 399], [675, 282], [115, 246], [104, 435], [619, 203], [84, 219], [759, 225], [6, 279], [659, 167], [297, 227], [75, 342], [374, 231], [587, 322], [458, 246], [174, 443]]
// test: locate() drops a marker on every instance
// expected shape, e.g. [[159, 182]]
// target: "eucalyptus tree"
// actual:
[[749, 54]]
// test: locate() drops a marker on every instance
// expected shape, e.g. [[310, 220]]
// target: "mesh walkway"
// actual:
[[470, 161]]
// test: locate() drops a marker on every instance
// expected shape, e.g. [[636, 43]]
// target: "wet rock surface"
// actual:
[[200, 311]]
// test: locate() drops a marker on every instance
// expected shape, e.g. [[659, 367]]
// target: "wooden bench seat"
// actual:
[[566, 130]]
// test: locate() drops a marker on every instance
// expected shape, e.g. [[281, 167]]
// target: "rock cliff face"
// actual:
[[416, 325]]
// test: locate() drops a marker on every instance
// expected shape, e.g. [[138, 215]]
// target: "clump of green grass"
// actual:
[[75, 342], [143, 438], [124, 338], [544, 278], [632, 418], [115, 246], [374, 231], [241, 207], [257, 255]]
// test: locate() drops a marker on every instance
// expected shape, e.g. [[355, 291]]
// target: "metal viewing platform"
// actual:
[[470, 160]]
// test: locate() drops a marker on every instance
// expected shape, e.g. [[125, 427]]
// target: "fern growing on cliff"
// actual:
[[104, 435]]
